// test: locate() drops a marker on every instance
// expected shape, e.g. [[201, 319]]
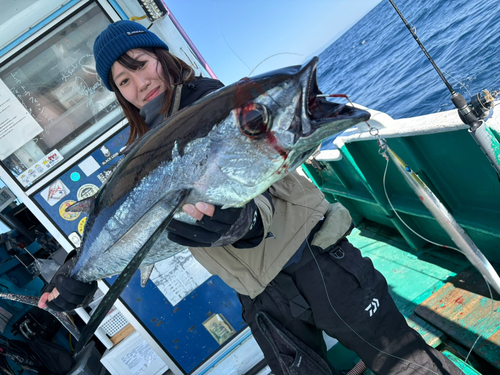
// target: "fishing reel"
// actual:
[[481, 103], [477, 109]]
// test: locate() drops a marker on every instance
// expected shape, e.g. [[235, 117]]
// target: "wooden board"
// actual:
[[124, 332], [432, 336], [463, 309]]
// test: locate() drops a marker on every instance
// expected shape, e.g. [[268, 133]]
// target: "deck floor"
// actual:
[[464, 310], [413, 278]]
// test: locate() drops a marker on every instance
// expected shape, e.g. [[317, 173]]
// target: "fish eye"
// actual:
[[254, 120]]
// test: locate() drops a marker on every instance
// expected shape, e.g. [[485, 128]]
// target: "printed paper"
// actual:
[[17, 126], [178, 276]]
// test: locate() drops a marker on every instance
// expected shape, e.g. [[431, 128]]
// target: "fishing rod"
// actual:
[[471, 113]]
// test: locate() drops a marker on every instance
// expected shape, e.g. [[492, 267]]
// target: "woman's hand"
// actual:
[[215, 226], [47, 297], [197, 211], [67, 294]]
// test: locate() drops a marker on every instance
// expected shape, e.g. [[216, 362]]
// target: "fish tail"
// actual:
[[63, 317], [67, 321]]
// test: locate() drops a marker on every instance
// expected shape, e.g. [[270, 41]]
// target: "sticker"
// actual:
[[86, 191], [23, 179], [40, 168], [70, 216], [51, 159], [75, 239], [81, 225], [105, 151], [219, 328], [89, 166], [75, 176], [110, 158], [55, 192], [103, 177]]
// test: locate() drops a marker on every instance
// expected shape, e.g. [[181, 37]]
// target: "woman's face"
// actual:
[[142, 85]]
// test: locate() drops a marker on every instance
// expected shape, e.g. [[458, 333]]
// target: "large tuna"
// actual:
[[227, 148]]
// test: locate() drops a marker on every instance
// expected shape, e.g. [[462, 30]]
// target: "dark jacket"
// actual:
[[190, 93]]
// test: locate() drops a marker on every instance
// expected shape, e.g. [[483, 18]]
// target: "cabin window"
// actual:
[[61, 105]]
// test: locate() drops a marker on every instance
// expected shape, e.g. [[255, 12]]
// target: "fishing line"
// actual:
[[460, 83], [383, 152], [399, 217], [276, 54], [222, 32], [333, 308], [250, 69], [436, 244]]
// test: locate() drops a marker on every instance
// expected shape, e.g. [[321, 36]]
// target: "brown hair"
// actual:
[[175, 71]]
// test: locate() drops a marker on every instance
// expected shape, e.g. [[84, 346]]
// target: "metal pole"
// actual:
[[447, 222], [190, 43], [488, 143]]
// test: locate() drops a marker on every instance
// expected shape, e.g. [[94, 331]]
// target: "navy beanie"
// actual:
[[118, 38]]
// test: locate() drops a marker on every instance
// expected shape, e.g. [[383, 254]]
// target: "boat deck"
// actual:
[[435, 286]]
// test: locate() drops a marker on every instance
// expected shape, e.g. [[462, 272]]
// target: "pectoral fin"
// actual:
[[86, 205]]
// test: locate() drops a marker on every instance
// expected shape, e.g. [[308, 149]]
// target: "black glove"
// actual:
[[241, 227], [72, 293]]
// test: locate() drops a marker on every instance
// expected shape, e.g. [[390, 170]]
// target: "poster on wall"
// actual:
[[178, 276], [17, 126]]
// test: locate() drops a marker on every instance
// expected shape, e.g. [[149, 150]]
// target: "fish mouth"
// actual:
[[301, 158], [318, 109], [320, 118]]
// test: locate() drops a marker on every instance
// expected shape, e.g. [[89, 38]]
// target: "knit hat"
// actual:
[[118, 38]]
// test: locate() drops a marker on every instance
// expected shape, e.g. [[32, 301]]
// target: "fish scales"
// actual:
[[227, 148]]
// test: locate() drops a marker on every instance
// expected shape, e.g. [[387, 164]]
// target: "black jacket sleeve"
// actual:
[[197, 89]]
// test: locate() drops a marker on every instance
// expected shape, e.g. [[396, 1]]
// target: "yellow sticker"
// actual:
[[81, 225], [219, 328], [70, 216]]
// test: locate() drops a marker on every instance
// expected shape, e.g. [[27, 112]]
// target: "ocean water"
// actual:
[[379, 65]]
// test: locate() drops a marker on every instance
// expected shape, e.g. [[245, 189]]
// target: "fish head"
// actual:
[[276, 122]]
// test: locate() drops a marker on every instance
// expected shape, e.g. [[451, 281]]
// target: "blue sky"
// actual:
[[258, 29]]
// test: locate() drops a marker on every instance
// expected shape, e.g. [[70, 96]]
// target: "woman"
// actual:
[[290, 258]]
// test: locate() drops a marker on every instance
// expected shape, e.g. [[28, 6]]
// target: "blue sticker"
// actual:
[[75, 176]]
